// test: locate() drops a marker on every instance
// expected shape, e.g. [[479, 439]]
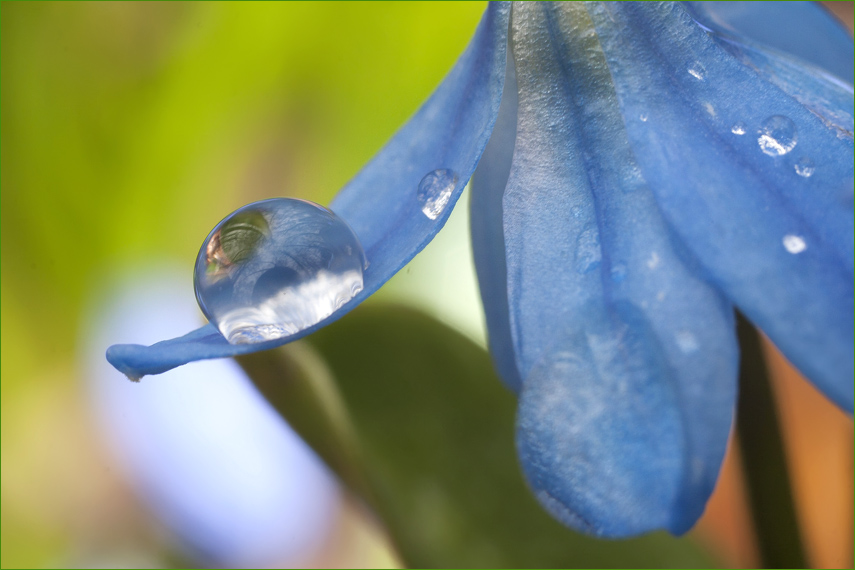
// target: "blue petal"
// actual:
[[450, 131], [822, 94], [778, 244], [488, 240], [803, 29], [627, 355]]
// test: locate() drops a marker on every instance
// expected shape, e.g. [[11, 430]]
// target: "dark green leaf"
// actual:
[[411, 416]]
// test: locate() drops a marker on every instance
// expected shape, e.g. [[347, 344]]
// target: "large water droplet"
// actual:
[[805, 167], [738, 128], [276, 267], [778, 135], [435, 191], [794, 244]]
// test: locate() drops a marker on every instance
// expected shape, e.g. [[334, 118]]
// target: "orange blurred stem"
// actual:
[[766, 475]]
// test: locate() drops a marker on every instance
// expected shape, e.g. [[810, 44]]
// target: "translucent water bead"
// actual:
[[778, 135], [276, 267], [434, 191]]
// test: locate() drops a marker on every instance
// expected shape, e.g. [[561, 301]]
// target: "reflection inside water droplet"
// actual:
[[778, 135], [738, 128], [805, 167], [794, 244], [435, 191], [276, 267]]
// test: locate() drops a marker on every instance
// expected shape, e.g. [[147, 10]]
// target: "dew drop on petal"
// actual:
[[794, 244], [618, 272], [697, 71], [805, 167], [643, 117], [653, 260], [275, 267], [435, 191], [738, 128], [778, 135], [687, 342]]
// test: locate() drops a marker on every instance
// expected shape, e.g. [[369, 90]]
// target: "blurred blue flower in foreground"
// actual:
[[203, 449], [649, 167]]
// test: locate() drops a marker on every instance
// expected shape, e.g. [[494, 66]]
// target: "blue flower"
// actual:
[[641, 169]]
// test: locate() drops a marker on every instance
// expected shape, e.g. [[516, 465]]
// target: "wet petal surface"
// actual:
[[627, 355], [722, 150], [802, 29], [382, 203]]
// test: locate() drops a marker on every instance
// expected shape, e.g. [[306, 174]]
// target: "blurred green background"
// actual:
[[128, 131]]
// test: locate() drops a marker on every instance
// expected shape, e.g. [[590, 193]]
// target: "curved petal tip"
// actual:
[[600, 433]]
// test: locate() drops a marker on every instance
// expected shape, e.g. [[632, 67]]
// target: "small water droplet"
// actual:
[[687, 342], [653, 260], [778, 135], [618, 272], [435, 191], [588, 253], [643, 117], [805, 167], [698, 71], [794, 244], [276, 267], [738, 128], [708, 107]]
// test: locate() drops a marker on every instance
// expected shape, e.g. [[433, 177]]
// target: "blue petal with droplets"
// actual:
[[803, 29], [822, 94], [722, 150], [381, 203], [627, 355]]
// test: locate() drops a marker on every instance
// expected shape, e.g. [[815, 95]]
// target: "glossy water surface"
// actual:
[[275, 267], [777, 135], [435, 190]]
